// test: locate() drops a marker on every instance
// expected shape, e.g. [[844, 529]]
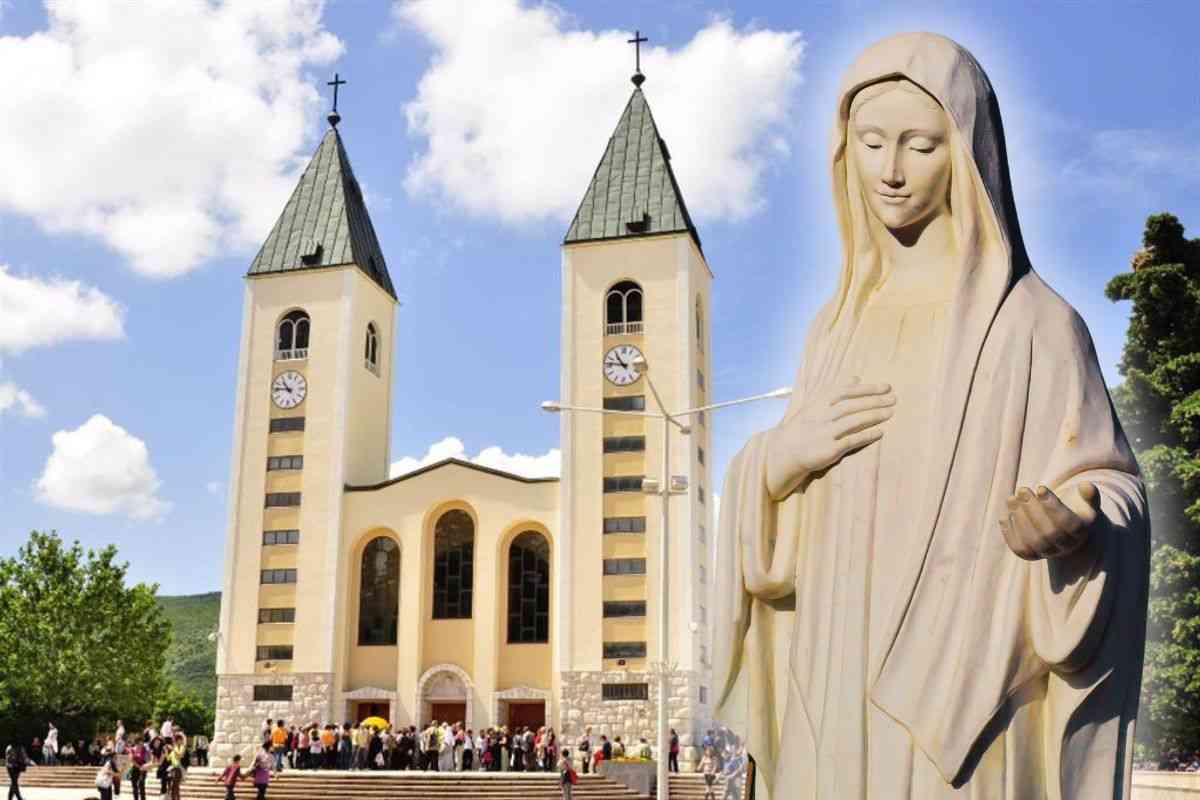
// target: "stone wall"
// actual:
[[582, 704], [1166, 785], [239, 717]]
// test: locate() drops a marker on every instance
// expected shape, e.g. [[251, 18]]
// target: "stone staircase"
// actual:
[[201, 784], [690, 786]]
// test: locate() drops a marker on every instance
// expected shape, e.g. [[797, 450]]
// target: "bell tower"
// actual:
[[634, 277], [312, 415]]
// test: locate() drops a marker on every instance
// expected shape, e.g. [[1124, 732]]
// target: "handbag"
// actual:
[[379, 759]]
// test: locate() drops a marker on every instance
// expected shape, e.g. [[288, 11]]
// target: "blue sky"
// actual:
[[143, 158]]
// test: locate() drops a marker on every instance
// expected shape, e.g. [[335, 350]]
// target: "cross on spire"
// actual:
[[638, 78], [334, 117]]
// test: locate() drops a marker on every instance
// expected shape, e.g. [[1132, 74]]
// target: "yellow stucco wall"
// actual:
[[673, 275], [345, 437], [501, 507]]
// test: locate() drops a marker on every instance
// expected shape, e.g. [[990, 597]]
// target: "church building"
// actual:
[[458, 592]]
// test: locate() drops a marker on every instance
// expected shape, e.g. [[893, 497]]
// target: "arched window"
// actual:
[[623, 308], [453, 565], [292, 340], [379, 593], [529, 588], [371, 355], [699, 325]]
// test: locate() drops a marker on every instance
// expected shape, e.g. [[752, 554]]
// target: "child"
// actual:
[[230, 777]]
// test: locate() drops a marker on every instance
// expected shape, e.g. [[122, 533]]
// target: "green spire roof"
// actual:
[[325, 222], [633, 192]]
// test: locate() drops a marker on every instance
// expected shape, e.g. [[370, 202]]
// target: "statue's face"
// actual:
[[901, 143]]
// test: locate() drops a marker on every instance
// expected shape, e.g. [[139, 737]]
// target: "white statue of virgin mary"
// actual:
[[932, 574]]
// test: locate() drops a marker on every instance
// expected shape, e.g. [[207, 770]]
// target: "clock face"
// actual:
[[288, 389], [619, 364]]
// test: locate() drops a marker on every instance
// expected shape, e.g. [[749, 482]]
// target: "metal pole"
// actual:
[[664, 616]]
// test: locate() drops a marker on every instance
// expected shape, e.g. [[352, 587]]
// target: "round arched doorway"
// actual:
[[445, 693]]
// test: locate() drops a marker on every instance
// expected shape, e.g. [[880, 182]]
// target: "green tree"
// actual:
[[184, 709], [77, 645], [1159, 405]]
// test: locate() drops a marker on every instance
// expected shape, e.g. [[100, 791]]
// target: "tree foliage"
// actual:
[[77, 645], [185, 709], [1159, 406]]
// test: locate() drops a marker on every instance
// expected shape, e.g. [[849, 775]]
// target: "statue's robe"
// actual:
[[982, 675]]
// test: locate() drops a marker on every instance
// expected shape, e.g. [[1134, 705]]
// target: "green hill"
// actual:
[[192, 658]]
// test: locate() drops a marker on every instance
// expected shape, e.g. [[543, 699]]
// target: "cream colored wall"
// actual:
[[346, 432], [671, 272], [501, 507]]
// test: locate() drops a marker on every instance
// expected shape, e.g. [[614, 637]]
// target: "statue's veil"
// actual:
[[991, 253]]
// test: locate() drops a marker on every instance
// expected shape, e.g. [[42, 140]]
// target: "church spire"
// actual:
[[325, 222], [634, 191]]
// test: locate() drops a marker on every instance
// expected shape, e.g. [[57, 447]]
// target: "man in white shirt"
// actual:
[[50, 747]]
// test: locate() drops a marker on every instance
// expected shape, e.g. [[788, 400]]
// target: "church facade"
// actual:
[[458, 592]]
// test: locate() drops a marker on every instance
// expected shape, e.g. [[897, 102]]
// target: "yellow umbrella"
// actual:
[[379, 723]]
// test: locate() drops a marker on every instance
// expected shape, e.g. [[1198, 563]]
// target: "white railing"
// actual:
[[619, 328], [296, 354]]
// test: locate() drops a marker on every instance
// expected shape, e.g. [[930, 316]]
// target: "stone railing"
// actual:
[[1166, 786]]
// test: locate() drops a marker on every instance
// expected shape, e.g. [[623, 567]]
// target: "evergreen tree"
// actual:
[[1159, 406]]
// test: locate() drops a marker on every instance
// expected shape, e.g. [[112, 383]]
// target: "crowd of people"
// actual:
[[1171, 761], [162, 752], [439, 746]]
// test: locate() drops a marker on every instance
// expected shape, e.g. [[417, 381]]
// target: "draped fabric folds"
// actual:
[[866, 647]]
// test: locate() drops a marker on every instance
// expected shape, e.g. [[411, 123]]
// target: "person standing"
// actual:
[[585, 748], [468, 751], [16, 763], [139, 763], [201, 750], [446, 748], [673, 760], [279, 738], [106, 775], [230, 777], [175, 762], [375, 758], [567, 775], [50, 748], [262, 772], [708, 767]]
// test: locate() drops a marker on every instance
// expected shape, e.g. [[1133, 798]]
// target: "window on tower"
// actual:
[[291, 343], [699, 326], [623, 309], [529, 589], [453, 565], [371, 355]]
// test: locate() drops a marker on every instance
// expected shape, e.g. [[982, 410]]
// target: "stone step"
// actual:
[[201, 784]]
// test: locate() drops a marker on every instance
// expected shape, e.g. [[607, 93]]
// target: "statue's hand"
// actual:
[[1040, 525], [826, 427]]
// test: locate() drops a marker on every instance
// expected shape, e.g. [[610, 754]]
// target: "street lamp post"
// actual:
[[665, 487]]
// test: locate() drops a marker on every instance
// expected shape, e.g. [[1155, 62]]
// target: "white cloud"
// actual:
[[100, 468], [167, 129], [547, 465], [37, 312], [215, 488], [14, 398], [517, 106]]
